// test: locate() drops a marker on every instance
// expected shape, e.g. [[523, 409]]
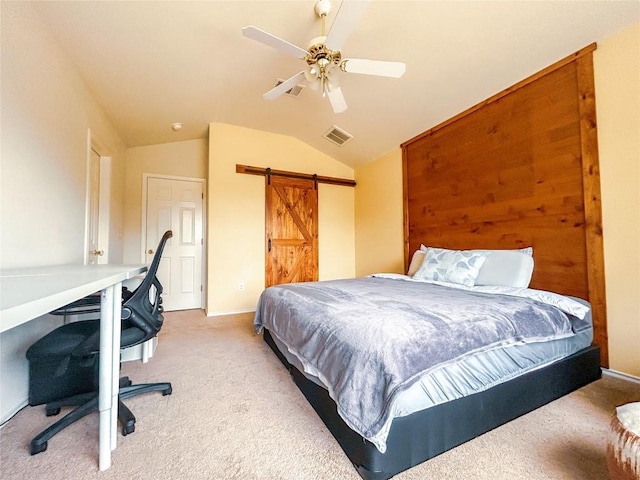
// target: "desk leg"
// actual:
[[108, 325], [115, 365]]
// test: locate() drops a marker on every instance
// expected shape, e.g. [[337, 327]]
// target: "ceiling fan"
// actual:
[[323, 56]]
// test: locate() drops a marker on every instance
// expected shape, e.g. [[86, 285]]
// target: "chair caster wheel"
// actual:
[[37, 448], [50, 412], [127, 429]]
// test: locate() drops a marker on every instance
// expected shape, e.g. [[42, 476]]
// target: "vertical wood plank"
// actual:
[[592, 203], [405, 210]]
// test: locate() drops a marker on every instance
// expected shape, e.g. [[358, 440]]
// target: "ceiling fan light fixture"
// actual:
[[332, 82], [311, 74]]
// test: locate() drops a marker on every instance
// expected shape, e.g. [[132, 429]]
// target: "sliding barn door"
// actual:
[[291, 230]]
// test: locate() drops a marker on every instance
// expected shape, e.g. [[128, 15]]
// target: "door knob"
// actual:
[[98, 252], [150, 251]]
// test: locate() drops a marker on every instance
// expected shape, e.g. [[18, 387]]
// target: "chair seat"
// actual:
[[63, 340]]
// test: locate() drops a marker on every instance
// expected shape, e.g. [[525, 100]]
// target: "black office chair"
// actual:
[[63, 365]]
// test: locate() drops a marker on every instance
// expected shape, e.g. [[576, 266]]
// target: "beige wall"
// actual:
[[617, 79], [379, 216], [236, 216], [179, 159], [47, 112]]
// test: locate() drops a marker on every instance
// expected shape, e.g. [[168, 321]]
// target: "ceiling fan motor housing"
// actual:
[[320, 55]]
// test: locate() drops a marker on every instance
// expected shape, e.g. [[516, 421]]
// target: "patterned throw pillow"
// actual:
[[452, 266]]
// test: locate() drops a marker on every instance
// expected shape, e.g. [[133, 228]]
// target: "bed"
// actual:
[[402, 368], [515, 176]]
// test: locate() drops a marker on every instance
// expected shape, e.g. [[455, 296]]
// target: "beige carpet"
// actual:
[[235, 414]]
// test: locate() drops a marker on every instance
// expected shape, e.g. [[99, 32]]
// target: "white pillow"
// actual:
[[509, 268], [527, 250], [416, 262], [452, 266]]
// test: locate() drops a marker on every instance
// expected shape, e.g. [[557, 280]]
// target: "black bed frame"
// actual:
[[423, 435]]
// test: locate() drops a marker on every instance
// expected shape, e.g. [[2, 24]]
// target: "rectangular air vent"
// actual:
[[337, 136], [293, 91]]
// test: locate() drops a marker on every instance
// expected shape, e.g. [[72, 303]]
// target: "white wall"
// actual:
[[46, 115]]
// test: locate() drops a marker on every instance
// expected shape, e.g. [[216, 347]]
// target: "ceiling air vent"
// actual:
[[293, 91], [337, 136]]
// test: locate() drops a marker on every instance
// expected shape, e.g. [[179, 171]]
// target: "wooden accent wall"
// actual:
[[519, 169]]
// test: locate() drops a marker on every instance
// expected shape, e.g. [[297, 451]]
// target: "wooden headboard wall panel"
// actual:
[[518, 170]]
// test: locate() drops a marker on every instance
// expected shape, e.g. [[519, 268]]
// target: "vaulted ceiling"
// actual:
[[152, 63]]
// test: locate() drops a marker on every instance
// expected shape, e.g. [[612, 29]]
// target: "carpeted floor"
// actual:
[[235, 414]]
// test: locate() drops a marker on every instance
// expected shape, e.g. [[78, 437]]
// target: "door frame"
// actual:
[[143, 225], [104, 199]]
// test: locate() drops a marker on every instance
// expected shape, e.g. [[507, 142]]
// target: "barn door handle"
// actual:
[[269, 245]]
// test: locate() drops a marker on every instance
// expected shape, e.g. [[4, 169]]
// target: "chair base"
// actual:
[[87, 403]]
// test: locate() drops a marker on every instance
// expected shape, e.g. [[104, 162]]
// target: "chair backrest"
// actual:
[[143, 309]]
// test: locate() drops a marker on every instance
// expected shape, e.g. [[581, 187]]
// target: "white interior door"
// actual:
[[177, 205], [96, 251]]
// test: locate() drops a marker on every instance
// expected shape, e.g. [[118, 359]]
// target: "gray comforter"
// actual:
[[368, 339]]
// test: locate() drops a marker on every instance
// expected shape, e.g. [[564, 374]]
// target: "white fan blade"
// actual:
[[285, 86], [346, 20], [337, 100], [261, 36], [374, 67]]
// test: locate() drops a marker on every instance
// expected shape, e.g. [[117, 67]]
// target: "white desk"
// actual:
[[29, 293]]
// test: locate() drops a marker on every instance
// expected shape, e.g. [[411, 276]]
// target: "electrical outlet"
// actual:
[[241, 286]]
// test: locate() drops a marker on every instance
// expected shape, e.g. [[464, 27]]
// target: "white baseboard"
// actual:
[[222, 314], [624, 376], [10, 412]]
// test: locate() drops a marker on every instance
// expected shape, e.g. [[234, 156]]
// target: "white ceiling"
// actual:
[[152, 63]]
